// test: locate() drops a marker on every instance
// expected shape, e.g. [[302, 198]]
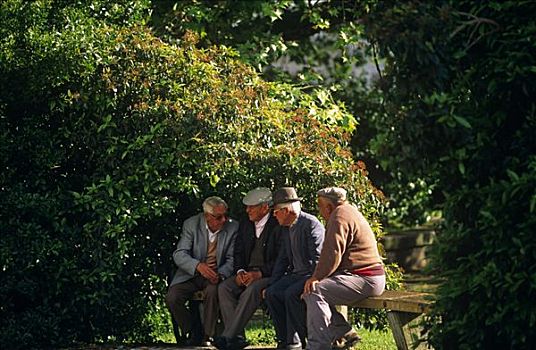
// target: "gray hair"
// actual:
[[293, 207], [211, 202], [336, 195]]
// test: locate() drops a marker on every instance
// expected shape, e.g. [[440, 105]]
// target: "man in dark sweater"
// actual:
[[255, 252], [349, 269], [302, 237]]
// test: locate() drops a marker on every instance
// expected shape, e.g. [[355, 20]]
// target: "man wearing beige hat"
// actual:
[[349, 269], [302, 237], [256, 248]]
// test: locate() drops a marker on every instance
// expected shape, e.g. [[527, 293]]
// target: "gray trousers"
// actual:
[[324, 323], [238, 304], [177, 296]]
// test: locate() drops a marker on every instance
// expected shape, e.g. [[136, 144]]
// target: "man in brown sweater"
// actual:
[[349, 269]]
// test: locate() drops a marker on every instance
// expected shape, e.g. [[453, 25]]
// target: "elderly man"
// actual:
[[256, 249], [204, 257], [302, 238], [349, 269]]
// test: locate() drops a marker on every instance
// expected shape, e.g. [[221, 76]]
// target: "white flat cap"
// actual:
[[260, 195], [336, 194]]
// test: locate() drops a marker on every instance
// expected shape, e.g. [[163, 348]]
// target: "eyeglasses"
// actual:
[[218, 217], [278, 209]]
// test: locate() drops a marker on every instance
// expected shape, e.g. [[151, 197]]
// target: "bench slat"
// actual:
[[414, 302]]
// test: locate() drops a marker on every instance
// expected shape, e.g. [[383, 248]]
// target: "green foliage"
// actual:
[[459, 83], [329, 48], [109, 139], [488, 255]]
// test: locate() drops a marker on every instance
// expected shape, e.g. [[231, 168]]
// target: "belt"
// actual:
[[376, 270]]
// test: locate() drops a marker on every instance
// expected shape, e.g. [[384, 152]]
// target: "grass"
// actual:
[[262, 333], [376, 340]]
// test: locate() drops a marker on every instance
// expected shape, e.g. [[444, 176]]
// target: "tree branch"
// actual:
[[475, 22], [376, 62]]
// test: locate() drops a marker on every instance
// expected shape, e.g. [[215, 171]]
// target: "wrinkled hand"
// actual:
[[206, 271], [251, 277], [240, 278], [309, 286]]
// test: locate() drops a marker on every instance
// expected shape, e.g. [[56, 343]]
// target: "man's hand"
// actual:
[[207, 272], [309, 286], [240, 278], [251, 277]]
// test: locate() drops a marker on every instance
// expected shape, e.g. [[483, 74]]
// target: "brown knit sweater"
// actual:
[[349, 243]]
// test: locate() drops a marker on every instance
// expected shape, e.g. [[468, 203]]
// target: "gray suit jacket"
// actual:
[[193, 245], [310, 236]]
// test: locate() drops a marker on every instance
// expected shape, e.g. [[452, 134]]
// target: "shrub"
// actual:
[[110, 139]]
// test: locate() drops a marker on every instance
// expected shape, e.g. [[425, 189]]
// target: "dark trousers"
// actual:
[[179, 294], [288, 309]]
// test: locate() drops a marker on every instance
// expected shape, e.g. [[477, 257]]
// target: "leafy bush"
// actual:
[[110, 139], [489, 261], [459, 76]]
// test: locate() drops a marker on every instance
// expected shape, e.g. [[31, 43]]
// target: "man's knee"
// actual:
[[311, 300], [251, 293], [292, 293], [225, 289], [272, 294], [174, 297], [170, 300]]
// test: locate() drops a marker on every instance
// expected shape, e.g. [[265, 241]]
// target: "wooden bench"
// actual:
[[402, 307]]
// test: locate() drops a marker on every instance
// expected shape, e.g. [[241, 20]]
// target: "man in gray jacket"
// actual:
[[204, 257]]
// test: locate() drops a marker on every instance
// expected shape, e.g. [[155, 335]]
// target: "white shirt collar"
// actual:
[[259, 225], [211, 235]]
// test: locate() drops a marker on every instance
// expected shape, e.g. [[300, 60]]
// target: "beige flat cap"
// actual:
[[336, 194], [259, 195]]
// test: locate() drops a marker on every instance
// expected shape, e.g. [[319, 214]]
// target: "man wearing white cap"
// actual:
[[256, 249], [349, 269]]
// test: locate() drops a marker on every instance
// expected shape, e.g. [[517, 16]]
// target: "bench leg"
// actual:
[[397, 321], [343, 310]]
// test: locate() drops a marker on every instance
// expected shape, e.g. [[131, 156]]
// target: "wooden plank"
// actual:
[[397, 328], [398, 301], [391, 300], [398, 323]]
